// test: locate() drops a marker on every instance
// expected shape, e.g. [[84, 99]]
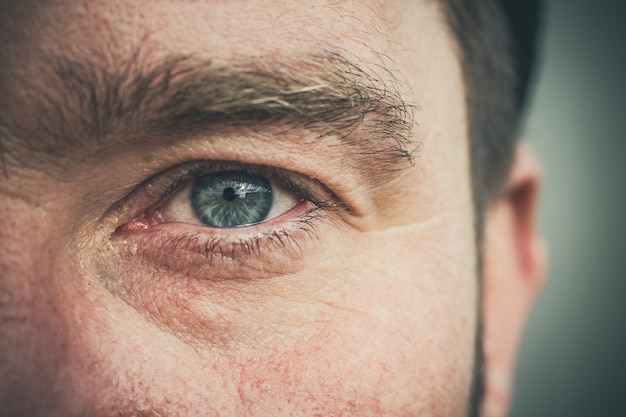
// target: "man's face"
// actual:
[[133, 132]]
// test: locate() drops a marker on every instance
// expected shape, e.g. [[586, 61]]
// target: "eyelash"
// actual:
[[317, 203], [211, 246]]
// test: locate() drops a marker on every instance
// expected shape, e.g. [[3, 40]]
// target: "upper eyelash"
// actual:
[[283, 177]]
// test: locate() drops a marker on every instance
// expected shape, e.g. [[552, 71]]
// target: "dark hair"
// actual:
[[496, 46]]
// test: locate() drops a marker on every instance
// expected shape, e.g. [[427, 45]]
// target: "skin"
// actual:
[[376, 314]]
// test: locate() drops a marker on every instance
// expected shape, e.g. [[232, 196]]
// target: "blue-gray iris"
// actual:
[[231, 199]]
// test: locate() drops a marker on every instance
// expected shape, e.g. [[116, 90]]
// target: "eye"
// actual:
[[229, 199], [254, 215], [228, 196]]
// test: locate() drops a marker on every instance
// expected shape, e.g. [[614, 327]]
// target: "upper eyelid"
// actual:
[[292, 181]]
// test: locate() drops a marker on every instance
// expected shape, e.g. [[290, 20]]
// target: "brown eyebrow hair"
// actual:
[[89, 104]]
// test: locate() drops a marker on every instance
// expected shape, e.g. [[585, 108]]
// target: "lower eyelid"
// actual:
[[179, 213], [299, 214], [263, 252]]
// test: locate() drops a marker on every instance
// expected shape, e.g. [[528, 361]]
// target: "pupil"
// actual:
[[229, 194]]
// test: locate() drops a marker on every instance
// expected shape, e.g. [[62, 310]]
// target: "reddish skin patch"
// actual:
[[135, 225]]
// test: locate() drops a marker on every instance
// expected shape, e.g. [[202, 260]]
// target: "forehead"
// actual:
[[397, 37], [366, 28]]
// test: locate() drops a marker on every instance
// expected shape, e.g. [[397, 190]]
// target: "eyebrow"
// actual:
[[89, 106]]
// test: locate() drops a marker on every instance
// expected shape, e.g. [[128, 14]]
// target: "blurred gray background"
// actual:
[[573, 358]]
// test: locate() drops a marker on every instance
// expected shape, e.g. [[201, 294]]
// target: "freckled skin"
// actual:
[[373, 320]]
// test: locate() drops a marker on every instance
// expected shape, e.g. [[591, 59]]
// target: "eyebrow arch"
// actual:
[[89, 106]]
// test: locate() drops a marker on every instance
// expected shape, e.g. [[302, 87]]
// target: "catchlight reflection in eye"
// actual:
[[231, 199]]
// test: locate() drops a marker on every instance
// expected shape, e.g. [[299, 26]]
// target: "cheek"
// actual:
[[33, 333], [407, 323], [390, 332], [386, 328], [407, 317]]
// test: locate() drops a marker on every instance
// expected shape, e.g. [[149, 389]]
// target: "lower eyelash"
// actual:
[[261, 252], [283, 238]]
